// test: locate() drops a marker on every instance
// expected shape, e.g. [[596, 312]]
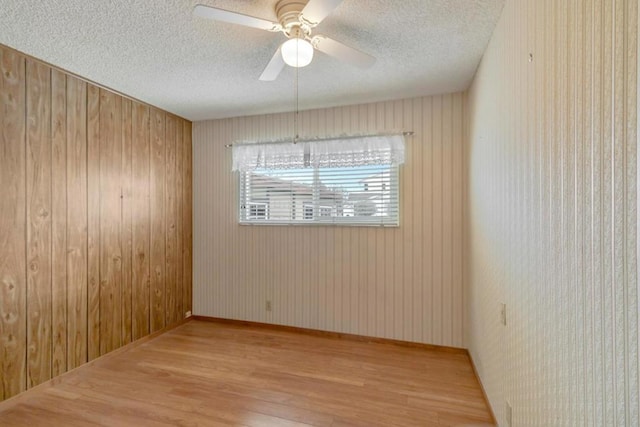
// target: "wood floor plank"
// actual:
[[204, 373]]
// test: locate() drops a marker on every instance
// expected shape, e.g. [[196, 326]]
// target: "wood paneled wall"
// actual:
[[403, 283], [552, 214], [95, 221]]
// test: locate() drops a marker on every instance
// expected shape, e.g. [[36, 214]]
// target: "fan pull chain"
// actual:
[[295, 117]]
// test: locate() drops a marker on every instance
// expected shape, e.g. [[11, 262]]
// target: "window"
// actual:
[[361, 195], [293, 184]]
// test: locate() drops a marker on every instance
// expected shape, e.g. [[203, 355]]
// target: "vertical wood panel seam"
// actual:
[[66, 221], [51, 215], [86, 173], [26, 236], [149, 154], [99, 224]]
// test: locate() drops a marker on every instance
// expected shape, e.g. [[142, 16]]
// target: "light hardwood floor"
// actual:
[[212, 374]]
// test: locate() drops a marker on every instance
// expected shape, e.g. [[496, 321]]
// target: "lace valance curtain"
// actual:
[[325, 153]]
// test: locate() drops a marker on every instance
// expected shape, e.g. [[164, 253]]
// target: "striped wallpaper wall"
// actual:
[[553, 214], [402, 283]]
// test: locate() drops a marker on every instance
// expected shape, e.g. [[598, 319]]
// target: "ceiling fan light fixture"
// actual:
[[297, 52]]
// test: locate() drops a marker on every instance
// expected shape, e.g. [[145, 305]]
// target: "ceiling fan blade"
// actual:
[[234, 18], [342, 52], [273, 68], [316, 10]]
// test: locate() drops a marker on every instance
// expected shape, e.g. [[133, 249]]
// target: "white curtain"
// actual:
[[325, 153]]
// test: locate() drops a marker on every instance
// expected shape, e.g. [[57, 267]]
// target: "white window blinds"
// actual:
[[350, 182]]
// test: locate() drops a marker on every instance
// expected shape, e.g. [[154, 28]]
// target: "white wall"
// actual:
[[552, 213], [402, 283]]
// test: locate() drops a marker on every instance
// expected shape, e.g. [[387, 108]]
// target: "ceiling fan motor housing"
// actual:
[[288, 13]]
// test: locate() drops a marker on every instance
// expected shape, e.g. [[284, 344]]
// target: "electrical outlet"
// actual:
[[187, 314], [268, 305], [508, 413], [503, 313]]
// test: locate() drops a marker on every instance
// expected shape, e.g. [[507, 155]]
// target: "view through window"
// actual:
[[355, 195]]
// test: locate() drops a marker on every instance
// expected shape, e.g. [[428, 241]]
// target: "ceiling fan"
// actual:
[[296, 20]]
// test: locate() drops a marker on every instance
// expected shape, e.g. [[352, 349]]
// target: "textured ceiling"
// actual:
[[159, 53]]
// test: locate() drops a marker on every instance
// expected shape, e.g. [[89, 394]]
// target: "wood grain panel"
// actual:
[[170, 213], [77, 205], [141, 227], [59, 222], [76, 221], [110, 221], [180, 220], [126, 217], [93, 221], [187, 216], [157, 168], [38, 223], [13, 332]]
